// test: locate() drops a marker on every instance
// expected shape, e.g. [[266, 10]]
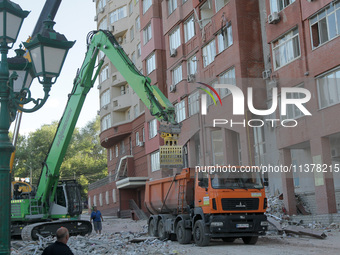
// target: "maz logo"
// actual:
[[239, 101]]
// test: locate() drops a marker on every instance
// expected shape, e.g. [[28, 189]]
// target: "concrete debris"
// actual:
[[116, 243]]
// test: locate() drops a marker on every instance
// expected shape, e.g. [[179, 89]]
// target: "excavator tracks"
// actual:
[[75, 227]]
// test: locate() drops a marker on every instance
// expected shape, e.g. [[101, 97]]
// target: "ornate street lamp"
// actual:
[[48, 50]]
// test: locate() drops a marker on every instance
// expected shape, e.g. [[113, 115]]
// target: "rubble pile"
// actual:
[[275, 207], [117, 243]]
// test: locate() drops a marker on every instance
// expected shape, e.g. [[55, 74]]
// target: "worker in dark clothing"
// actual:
[[59, 247]]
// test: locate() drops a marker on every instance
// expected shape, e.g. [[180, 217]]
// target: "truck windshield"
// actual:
[[237, 180]]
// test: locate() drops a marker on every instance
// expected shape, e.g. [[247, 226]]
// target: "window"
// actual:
[[189, 29], [103, 24], [152, 128], [128, 115], [137, 139], [227, 77], [110, 154], [137, 24], [209, 99], [104, 74], [114, 198], [139, 50], [219, 4], [118, 14], [106, 122], [101, 3], [101, 199], [175, 38], [325, 25], [259, 145], [123, 90], [150, 63], [193, 103], [225, 39], [135, 111], [329, 88], [192, 65], [209, 53], [105, 98], [122, 147], [180, 111], [172, 5], [147, 33], [206, 13], [117, 151], [107, 197], [217, 147], [143, 130], [130, 8], [133, 57], [177, 74], [155, 165], [95, 200], [279, 5], [132, 33], [146, 5], [293, 112], [286, 49]]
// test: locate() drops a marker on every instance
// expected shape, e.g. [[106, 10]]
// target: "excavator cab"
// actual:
[[67, 200]]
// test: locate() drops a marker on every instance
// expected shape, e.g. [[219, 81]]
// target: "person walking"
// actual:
[[60, 246], [97, 218]]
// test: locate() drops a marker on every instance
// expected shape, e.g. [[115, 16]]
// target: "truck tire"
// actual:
[[152, 228], [250, 239], [200, 230], [162, 234], [183, 234]]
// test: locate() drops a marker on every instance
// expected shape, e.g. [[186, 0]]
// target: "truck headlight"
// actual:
[[264, 223], [216, 224]]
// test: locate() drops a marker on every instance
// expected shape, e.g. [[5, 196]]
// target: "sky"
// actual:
[[74, 19]]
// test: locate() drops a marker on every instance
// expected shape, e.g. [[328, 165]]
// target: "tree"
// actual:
[[85, 159]]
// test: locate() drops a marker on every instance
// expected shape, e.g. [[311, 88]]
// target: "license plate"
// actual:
[[242, 225]]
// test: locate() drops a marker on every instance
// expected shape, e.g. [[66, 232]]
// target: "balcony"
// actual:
[[111, 136], [122, 102]]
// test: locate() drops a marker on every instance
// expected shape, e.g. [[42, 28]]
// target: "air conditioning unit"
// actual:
[[273, 18], [98, 112], [311, 1], [95, 18], [99, 86], [105, 107], [112, 28], [191, 78], [172, 88], [173, 53], [101, 10], [120, 40], [266, 74], [140, 143]]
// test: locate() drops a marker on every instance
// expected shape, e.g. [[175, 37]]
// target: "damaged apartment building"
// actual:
[[259, 44]]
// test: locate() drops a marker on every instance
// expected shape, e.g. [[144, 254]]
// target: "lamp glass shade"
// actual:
[[37, 60], [53, 59], [13, 24], [19, 82]]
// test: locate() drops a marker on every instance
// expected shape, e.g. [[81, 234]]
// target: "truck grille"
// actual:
[[240, 204]]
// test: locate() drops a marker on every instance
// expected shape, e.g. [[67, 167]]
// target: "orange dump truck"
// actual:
[[202, 205]]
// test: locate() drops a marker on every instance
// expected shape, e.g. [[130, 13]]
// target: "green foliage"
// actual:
[[85, 159]]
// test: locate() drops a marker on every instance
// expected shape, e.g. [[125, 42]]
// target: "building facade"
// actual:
[[265, 45]]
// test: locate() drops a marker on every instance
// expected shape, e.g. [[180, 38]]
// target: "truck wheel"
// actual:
[[152, 228], [250, 239], [228, 239], [183, 234], [200, 229], [163, 235]]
